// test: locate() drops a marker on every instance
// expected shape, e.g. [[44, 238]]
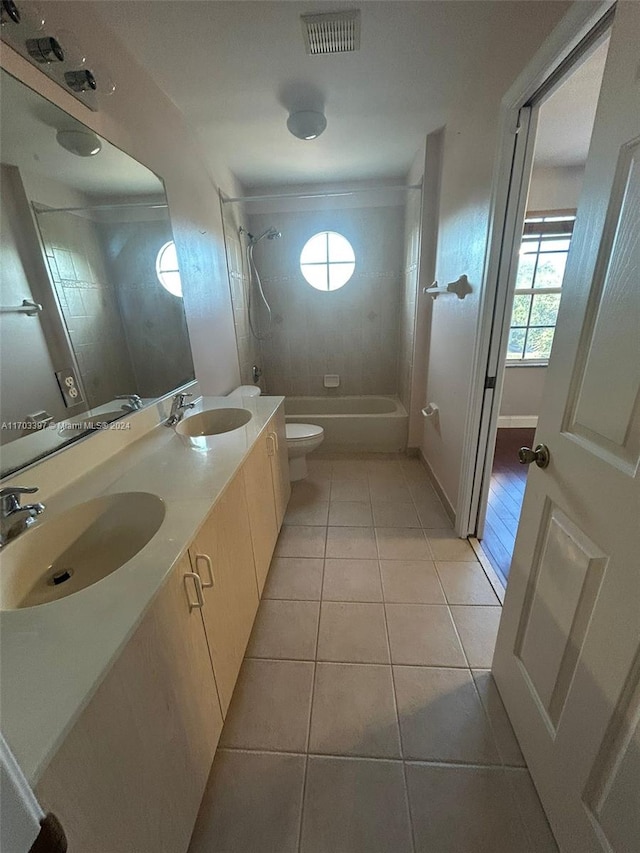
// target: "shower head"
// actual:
[[270, 234]]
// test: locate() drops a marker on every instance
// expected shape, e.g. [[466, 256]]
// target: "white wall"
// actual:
[[141, 120], [556, 188], [469, 150]]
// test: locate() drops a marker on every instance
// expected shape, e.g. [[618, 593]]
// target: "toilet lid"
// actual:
[[300, 432]]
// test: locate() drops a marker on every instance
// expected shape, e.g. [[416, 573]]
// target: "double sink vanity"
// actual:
[[126, 612]]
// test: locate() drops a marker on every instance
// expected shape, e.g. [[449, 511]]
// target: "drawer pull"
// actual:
[[199, 602], [271, 447], [207, 560]]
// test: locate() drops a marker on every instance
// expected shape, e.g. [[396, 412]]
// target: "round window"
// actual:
[[167, 269], [327, 261]]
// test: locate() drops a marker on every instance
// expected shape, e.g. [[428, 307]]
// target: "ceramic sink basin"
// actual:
[[81, 546], [197, 429]]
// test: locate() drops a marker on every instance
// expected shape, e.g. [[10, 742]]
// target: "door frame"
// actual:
[[580, 28]]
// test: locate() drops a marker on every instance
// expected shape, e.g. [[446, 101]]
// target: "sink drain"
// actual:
[[60, 577]]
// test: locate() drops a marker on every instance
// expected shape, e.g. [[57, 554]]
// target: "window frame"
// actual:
[[537, 218], [328, 263]]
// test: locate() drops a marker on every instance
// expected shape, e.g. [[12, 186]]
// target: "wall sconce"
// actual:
[[59, 56]]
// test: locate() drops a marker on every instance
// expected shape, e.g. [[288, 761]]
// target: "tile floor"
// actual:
[[365, 719]]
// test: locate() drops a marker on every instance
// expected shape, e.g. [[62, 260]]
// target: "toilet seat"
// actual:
[[303, 432]]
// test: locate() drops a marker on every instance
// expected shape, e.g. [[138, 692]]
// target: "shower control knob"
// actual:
[[540, 455]]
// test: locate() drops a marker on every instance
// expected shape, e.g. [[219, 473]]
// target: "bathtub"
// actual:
[[369, 424]]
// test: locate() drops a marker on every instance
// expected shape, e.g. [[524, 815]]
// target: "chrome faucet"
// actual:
[[14, 518], [178, 408], [134, 402]]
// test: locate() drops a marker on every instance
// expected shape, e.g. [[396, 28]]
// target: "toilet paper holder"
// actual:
[[430, 410]]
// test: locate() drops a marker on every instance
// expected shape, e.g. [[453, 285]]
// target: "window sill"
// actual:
[[527, 364]]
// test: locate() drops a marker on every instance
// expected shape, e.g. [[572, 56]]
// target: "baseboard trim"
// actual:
[[517, 421], [439, 490]]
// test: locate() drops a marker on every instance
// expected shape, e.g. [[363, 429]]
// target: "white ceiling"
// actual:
[[566, 118], [28, 125], [235, 69]]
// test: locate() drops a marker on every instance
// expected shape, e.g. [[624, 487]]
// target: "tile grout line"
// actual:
[[313, 690], [395, 706]]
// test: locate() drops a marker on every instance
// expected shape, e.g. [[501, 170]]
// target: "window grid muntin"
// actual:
[[539, 239], [327, 263]]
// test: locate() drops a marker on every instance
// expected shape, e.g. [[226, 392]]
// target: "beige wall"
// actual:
[[469, 152], [522, 390], [140, 119], [556, 188]]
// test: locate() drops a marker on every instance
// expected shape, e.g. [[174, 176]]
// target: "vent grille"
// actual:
[[333, 32]]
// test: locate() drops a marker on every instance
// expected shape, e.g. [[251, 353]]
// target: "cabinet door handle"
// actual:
[[208, 564], [275, 441], [270, 445], [199, 602]]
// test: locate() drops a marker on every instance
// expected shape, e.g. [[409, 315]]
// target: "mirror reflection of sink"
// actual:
[[197, 430], [78, 427], [83, 545]]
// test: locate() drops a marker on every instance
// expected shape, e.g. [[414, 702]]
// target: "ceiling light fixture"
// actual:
[[307, 124], [83, 143]]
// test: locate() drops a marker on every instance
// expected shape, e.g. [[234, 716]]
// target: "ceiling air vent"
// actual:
[[331, 32]]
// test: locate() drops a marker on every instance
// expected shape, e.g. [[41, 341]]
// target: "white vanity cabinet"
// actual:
[[130, 774], [222, 556], [266, 478]]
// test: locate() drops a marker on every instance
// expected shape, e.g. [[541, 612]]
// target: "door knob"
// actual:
[[540, 455]]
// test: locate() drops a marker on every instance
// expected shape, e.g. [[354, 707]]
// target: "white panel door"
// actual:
[[567, 660]]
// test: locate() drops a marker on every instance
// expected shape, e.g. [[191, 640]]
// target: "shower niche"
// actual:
[[88, 331]]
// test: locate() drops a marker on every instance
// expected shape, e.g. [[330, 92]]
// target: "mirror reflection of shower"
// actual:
[[255, 284]]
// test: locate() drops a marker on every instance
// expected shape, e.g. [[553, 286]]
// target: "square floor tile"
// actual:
[[531, 811], [395, 515], [351, 580], [441, 716], [423, 635], [398, 543], [354, 711], [270, 706], [411, 582], [303, 541], [294, 577], [349, 469], [310, 491], [285, 629], [464, 810], [350, 514], [303, 512], [466, 583], [356, 543], [445, 545], [354, 633], [350, 490], [389, 491], [319, 469], [503, 733], [355, 806], [252, 803], [478, 629], [432, 514]]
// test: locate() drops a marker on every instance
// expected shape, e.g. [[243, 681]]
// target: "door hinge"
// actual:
[[490, 382]]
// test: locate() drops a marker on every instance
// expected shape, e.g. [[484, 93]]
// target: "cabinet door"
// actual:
[[222, 555], [131, 773], [280, 464], [258, 483]]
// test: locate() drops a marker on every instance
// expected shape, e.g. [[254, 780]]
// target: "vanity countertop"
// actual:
[[54, 656]]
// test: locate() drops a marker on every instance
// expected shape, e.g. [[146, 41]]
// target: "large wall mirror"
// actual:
[[92, 323]]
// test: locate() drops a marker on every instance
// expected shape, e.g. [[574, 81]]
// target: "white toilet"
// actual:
[[301, 438]]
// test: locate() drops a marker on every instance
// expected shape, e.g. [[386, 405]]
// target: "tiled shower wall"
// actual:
[[248, 346], [352, 331], [89, 304], [412, 227]]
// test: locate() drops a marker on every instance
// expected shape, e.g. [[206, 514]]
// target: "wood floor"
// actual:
[[508, 479]]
